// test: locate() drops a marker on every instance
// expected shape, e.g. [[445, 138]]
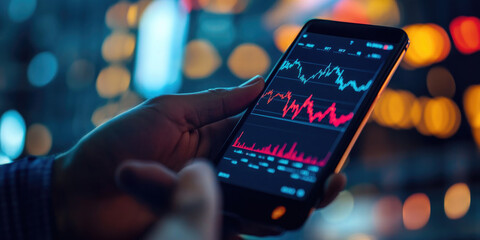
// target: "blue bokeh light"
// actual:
[[12, 134], [21, 10], [42, 69], [4, 159], [160, 49]]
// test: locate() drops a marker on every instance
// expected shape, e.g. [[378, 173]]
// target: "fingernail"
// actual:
[[252, 81]]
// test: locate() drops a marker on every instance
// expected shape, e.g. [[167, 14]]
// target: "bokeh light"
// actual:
[[471, 105], [104, 113], [383, 12], [42, 69], [118, 46], [160, 50], [112, 81], [416, 211], [80, 74], [339, 209], [394, 109], [248, 60], [285, 35], [39, 140], [21, 10], [388, 215], [132, 15], [223, 6], [429, 44], [466, 34], [360, 236], [440, 82], [457, 201], [4, 159], [12, 134], [116, 17], [201, 59], [350, 11], [442, 117]]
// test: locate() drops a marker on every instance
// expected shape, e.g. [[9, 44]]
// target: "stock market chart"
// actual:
[[298, 121]]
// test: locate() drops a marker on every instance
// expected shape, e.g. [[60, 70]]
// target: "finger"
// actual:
[[213, 105], [196, 206], [334, 185], [149, 182]]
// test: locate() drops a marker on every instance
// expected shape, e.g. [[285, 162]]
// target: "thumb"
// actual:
[[196, 207], [149, 182], [213, 105]]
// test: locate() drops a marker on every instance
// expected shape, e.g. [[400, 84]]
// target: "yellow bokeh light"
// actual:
[[471, 103], [116, 17], [39, 140], [429, 44], [384, 12], [440, 82], [248, 60], [417, 115], [112, 81], [201, 59], [118, 46], [285, 35], [132, 15], [104, 113], [360, 236], [457, 201], [223, 6], [416, 211], [442, 117]]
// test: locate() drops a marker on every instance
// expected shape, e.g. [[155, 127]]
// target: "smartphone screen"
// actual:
[[300, 118]]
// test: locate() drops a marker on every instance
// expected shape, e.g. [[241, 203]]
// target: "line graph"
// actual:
[[308, 104], [325, 73], [281, 152]]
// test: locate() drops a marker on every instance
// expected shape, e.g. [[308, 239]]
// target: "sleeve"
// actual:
[[25, 199]]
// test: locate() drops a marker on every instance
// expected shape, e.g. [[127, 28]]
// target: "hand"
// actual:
[[192, 210], [196, 209], [170, 130]]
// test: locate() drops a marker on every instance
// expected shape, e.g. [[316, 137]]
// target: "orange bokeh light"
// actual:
[[416, 211], [350, 11], [466, 34], [285, 35], [429, 44]]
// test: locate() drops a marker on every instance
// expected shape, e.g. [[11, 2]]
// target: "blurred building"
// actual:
[[68, 66]]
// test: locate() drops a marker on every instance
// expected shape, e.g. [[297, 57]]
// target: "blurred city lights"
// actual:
[[388, 215], [12, 134], [416, 211], [339, 209], [80, 74], [471, 105], [4, 159], [285, 35], [223, 6], [394, 109], [466, 34], [360, 236], [440, 82], [350, 11], [21, 10], [384, 12], [457, 201], [118, 46], [112, 81], [132, 15], [116, 17], [39, 140], [160, 50], [442, 117], [429, 44], [104, 113], [248, 60], [42, 69], [201, 59]]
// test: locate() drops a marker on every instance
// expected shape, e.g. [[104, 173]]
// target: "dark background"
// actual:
[[68, 66]]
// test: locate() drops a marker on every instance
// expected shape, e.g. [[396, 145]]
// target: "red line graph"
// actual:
[[280, 151], [292, 106]]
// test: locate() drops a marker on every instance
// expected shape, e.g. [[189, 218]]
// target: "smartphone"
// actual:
[[273, 167]]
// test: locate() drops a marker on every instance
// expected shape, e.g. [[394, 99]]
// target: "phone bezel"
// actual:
[[262, 204]]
